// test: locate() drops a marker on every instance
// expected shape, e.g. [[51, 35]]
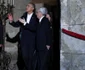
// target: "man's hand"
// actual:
[[48, 47], [22, 21], [10, 17], [48, 16], [1, 45]]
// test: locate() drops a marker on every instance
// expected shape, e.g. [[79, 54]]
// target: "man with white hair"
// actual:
[[44, 39]]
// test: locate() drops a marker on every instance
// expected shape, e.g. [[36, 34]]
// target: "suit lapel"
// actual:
[[31, 18], [25, 17], [40, 23]]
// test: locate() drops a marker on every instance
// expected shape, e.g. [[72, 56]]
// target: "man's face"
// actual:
[[29, 8], [38, 13]]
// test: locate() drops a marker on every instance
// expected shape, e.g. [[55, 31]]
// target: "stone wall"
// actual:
[[72, 49]]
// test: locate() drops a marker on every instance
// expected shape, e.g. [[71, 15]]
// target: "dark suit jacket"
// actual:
[[1, 33], [44, 36], [28, 31]]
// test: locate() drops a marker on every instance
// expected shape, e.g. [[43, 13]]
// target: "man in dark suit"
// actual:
[[44, 39], [28, 24], [1, 35]]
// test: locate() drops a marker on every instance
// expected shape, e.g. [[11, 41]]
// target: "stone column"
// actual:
[[72, 49]]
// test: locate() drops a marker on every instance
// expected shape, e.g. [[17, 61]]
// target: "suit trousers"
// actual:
[[42, 60], [20, 61], [27, 54]]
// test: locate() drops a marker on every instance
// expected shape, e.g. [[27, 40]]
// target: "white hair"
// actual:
[[43, 10]]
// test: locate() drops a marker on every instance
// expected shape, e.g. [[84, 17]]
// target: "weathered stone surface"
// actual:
[[73, 19], [66, 61], [78, 61]]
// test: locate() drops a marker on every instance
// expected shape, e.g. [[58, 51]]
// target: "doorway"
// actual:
[[53, 7]]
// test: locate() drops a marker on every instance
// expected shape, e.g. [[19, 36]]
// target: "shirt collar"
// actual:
[[30, 14], [41, 18]]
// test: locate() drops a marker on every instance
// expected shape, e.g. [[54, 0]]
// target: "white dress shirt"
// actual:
[[41, 18], [28, 18]]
